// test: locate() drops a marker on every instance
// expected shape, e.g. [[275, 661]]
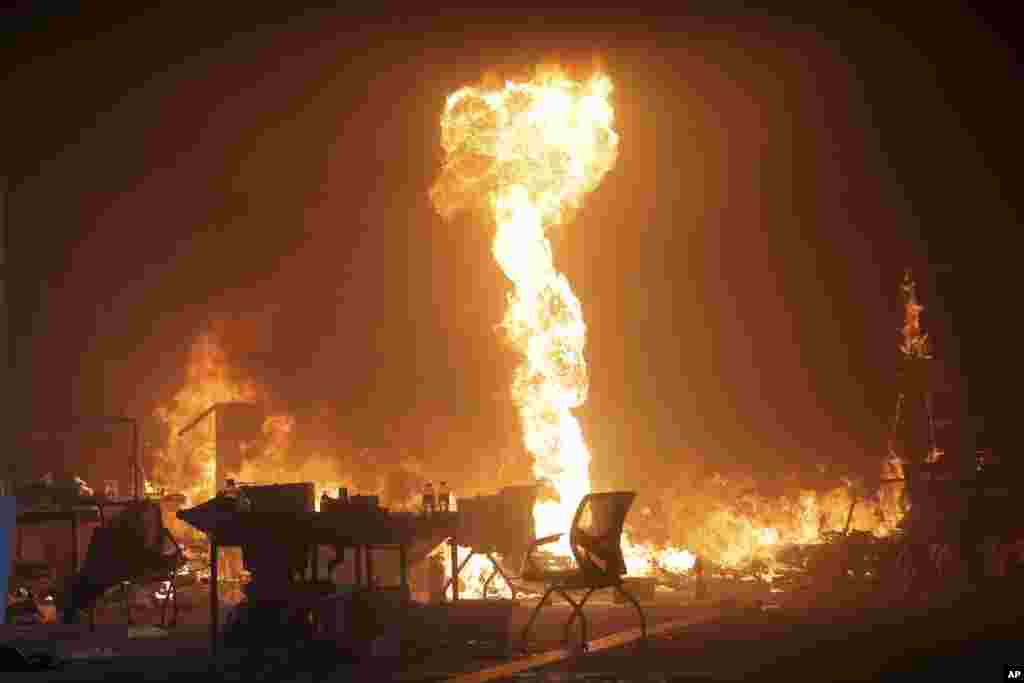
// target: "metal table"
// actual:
[[73, 515], [414, 537], [85, 509]]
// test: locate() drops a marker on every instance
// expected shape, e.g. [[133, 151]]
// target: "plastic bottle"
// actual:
[[444, 497], [244, 501], [428, 499], [230, 493]]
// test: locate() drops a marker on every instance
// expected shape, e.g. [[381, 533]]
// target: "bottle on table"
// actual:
[[444, 497], [325, 502], [343, 496], [428, 499], [231, 492], [244, 501]]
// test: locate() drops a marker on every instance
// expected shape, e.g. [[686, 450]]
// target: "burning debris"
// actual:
[[727, 521], [186, 463], [915, 342]]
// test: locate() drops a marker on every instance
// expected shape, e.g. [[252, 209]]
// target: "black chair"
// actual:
[[501, 524], [159, 565], [132, 546], [595, 538]]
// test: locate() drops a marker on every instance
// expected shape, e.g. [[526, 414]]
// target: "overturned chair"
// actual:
[[132, 545], [596, 541]]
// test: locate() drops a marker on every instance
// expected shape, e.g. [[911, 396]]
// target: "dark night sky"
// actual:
[[738, 267]]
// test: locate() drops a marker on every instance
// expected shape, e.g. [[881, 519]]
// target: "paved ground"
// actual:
[[969, 639], [184, 650], [837, 636]]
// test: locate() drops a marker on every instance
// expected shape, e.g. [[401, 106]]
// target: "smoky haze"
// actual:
[[738, 267]]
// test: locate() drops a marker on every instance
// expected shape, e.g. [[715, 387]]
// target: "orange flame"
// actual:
[[531, 151], [185, 464], [528, 153]]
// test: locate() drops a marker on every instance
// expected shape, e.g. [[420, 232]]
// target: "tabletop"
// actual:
[[349, 526]]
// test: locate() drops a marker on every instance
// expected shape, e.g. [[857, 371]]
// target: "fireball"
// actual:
[[528, 153]]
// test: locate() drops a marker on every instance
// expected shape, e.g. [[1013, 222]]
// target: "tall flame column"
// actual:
[[528, 153]]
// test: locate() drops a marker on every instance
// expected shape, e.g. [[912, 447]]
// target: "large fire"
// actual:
[[531, 150], [185, 463], [527, 153]]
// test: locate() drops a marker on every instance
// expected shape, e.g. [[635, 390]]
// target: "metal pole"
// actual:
[[849, 516], [455, 569], [214, 597], [9, 379], [403, 568], [187, 428], [369, 568], [136, 480], [74, 542], [5, 272]]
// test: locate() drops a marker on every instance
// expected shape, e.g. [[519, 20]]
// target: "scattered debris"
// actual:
[[93, 653], [146, 632]]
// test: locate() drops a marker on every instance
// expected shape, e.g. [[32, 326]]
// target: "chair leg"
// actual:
[[171, 595], [174, 607], [643, 620], [487, 583], [577, 611], [572, 616], [126, 605], [455, 577], [163, 609], [533, 617], [497, 568], [586, 626]]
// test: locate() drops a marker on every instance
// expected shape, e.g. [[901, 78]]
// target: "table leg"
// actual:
[[455, 569], [358, 552], [214, 598], [403, 570], [74, 544], [369, 567]]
